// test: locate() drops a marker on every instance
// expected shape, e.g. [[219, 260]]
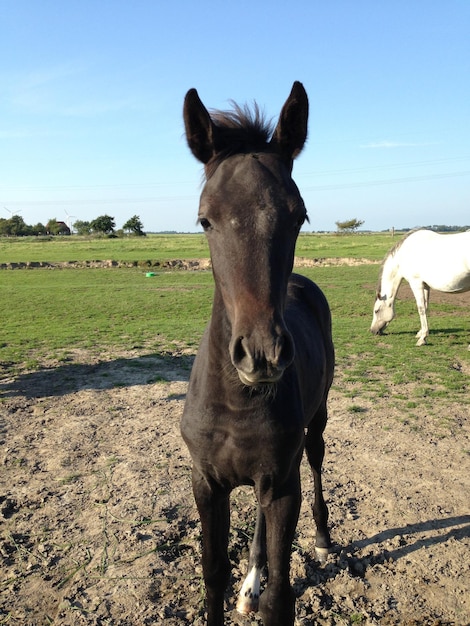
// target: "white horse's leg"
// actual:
[[421, 294], [426, 295]]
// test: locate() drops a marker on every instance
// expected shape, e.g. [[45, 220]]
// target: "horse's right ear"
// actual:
[[200, 130]]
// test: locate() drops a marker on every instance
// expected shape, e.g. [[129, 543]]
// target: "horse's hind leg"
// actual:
[[214, 512], [248, 598], [315, 449]]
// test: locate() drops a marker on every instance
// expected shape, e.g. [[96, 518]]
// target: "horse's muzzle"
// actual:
[[257, 364], [377, 330]]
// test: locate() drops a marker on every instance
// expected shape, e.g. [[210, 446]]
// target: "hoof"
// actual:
[[322, 554], [421, 340], [248, 598], [245, 606]]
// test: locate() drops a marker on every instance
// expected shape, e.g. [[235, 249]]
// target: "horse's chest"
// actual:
[[238, 449]]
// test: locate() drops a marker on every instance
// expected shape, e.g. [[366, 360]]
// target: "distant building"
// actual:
[[57, 228]]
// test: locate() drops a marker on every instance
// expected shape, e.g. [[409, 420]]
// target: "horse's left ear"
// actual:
[[291, 130], [200, 130]]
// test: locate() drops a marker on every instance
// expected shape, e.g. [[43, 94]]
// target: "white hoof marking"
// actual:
[[248, 598], [322, 554]]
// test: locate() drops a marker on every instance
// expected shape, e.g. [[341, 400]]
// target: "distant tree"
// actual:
[[4, 227], [52, 227], [349, 225], [135, 226], [103, 224], [56, 227], [38, 229], [82, 227], [13, 227], [17, 226]]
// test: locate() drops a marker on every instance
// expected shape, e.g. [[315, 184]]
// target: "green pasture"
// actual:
[[52, 311], [48, 313], [167, 247], [74, 248]]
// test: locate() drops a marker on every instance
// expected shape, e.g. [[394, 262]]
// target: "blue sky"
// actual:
[[92, 91]]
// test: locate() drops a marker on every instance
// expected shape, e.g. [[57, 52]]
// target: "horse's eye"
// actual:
[[205, 223], [301, 220]]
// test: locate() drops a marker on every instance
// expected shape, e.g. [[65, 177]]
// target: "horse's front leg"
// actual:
[[248, 598], [213, 506], [421, 294], [277, 603]]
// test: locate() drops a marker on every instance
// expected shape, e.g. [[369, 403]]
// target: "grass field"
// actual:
[[167, 247], [46, 314]]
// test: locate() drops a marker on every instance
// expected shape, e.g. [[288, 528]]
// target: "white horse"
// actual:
[[427, 260]]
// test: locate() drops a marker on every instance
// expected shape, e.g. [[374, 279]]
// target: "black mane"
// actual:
[[242, 130]]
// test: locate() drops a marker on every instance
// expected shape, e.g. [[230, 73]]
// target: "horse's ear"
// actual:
[[291, 130], [200, 130]]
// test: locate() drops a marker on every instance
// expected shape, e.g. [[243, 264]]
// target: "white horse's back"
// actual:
[[440, 261]]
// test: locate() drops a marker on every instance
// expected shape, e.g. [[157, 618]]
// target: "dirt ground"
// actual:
[[98, 525]]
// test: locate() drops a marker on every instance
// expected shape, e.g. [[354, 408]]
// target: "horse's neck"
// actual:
[[220, 330], [391, 278]]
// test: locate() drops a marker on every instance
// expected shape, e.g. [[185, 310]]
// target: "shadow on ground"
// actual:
[[120, 372], [393, 544]]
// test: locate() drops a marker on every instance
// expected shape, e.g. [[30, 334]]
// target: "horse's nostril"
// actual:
[[285, 351], [241, 356]]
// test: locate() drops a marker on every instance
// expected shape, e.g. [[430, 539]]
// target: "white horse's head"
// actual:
[[384, 312], [390, 278]]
